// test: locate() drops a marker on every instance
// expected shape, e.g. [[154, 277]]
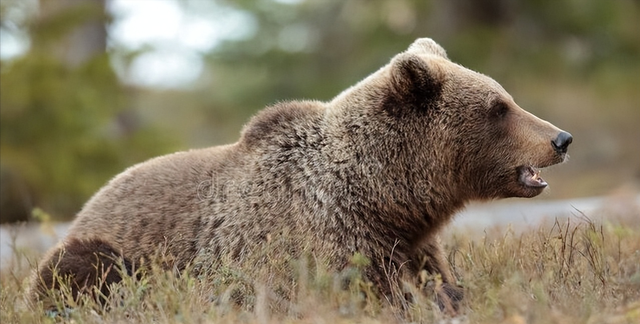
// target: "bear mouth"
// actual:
[[529, 176]]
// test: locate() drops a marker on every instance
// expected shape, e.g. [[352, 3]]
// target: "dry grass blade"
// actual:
[[573, 271]]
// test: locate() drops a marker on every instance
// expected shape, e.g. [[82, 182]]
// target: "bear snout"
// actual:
[[561, 142]]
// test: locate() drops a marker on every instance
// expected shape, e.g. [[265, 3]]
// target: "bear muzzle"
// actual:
[[529, 175]]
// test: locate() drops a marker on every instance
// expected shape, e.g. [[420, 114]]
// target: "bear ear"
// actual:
[[427, 46], [416, 79]]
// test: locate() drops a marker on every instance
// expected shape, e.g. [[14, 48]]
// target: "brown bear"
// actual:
[[378, 170]]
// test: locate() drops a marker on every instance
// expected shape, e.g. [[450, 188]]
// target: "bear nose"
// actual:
[[561, 143]]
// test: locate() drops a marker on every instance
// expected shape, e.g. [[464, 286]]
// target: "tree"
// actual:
[[66, 122]]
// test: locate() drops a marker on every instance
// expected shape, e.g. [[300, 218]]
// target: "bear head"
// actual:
[[472, 128]]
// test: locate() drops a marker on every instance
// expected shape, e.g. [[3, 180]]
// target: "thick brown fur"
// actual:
[[378, 170], [86, 266]]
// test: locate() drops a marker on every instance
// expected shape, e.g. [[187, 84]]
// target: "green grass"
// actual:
[[567, 271]]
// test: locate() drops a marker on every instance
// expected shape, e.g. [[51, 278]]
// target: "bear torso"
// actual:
[[306, 177]]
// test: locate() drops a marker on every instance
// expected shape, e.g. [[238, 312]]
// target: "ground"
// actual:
[[581, 269]]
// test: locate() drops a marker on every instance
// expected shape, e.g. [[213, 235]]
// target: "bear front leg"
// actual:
[[431, 258]]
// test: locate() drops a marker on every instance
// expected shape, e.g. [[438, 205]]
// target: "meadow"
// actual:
[[568, 270]]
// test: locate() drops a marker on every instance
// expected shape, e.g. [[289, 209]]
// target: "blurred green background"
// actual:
[[79, 104]]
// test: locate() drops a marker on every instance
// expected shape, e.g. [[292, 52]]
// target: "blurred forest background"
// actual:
[[79, 104]]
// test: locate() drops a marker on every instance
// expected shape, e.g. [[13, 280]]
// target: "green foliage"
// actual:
[[65, 127]]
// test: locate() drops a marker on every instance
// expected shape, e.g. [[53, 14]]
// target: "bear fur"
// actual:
[[378, 170]]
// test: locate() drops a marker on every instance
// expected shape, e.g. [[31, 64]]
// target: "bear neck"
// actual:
[[398, 180]]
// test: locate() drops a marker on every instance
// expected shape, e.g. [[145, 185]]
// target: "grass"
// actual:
[[568, 271]]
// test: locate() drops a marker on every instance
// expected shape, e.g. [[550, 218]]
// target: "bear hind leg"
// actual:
[[80, 266]]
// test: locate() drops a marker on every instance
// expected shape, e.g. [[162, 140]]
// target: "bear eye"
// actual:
[[499, 110]]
